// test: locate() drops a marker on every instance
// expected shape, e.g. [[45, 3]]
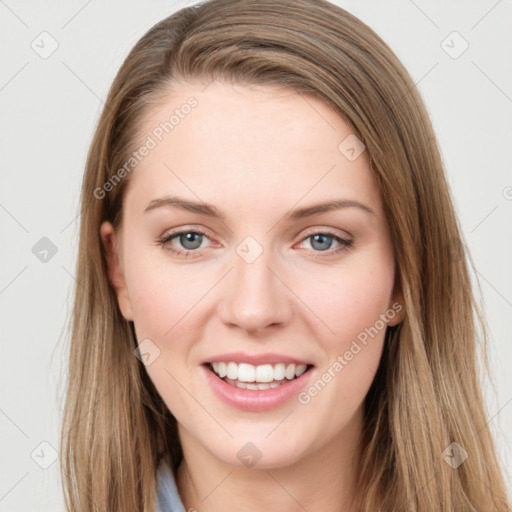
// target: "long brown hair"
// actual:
[[426, 393]]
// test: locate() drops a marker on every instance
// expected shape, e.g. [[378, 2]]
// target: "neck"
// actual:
[[322, 480]]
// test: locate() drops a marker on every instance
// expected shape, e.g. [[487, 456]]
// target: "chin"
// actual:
[[260, 451]]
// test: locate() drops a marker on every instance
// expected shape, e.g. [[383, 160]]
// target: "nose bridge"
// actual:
[[254, 298]]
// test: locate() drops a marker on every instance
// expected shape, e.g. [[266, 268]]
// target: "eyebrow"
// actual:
[[297, 214]]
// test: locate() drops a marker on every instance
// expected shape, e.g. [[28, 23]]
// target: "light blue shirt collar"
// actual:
[[168, 497]]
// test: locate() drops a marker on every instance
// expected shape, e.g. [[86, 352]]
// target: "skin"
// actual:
[[256, 152]]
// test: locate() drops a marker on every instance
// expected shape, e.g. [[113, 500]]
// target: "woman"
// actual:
[[272, 311]]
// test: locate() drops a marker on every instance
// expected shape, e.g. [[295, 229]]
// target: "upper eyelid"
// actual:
[[331, 231], [179, 231]]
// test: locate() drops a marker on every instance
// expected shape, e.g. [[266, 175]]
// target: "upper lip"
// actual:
[[256, 359]]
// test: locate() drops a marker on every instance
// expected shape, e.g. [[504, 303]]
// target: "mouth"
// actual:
[[257, 378]]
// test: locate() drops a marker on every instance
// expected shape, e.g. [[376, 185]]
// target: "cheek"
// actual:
[[162, 294], [356, 307], [351, 301]]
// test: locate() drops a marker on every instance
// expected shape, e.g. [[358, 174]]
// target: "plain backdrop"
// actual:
[[50, 104]]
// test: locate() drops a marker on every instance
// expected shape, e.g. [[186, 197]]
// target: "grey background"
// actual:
[[49, 108]]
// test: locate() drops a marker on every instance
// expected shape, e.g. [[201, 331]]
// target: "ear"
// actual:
[[115, 269], [397, 305]]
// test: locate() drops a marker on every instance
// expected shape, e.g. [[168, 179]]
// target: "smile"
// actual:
[[261, 377], [256, 387]]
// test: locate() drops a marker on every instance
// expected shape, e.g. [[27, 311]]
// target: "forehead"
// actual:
[[249, 145]]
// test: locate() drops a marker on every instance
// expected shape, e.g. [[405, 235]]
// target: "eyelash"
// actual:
[[165, 239]]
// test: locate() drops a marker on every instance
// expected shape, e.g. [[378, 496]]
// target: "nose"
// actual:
[[254, 296]]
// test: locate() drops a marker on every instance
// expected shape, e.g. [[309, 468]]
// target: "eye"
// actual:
[[189, 239], [322, 242]]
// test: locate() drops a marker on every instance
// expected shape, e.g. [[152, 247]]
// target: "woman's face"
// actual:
[[272, 280]]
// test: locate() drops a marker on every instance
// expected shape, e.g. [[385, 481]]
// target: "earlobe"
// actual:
[[115, 270]]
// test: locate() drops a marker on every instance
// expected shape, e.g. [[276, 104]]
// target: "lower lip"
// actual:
[[251, 399]]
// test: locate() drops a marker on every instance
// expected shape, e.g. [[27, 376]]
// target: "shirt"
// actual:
[[168, 497]]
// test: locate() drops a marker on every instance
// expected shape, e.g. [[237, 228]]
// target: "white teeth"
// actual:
[[221, 370], [261, 387], [232, 371], [264, 374], [301, 368], [246, 372], [279, 370], [290, 371]]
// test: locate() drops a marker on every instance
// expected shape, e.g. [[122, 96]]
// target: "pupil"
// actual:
[[322, 239], [189, 241]]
